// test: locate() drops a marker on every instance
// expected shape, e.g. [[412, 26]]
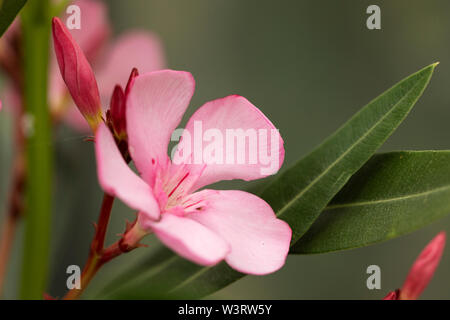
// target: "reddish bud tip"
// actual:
[[134, 73], [423, 268], [77, 74], [117, 112]]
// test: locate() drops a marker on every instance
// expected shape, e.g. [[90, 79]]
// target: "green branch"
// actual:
[[36, 31]]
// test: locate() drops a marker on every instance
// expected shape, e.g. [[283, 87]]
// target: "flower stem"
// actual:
[[102, 225], [96, 253], [99, 255]]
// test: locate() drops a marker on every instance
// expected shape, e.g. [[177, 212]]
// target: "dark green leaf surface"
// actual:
[[393, 194], [9, 9], [301, 193]]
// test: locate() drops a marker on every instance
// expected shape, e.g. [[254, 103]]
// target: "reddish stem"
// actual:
[[15, 202], [102, 225], [6, 242], [95, 260]]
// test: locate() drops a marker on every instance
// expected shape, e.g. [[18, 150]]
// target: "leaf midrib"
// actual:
[[387, 200], [309, 186], [189, 279]]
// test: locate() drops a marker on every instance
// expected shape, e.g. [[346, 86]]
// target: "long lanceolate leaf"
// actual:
[[393, 194], [9, 9], [301, 193]]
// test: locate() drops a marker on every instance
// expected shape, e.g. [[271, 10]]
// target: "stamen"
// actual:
[[178, 184], [193, 204]]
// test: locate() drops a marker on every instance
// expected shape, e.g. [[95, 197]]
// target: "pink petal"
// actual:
[[259, 241], [221, 115], [56, 88], [77, 74], [423, 269], [188, 238], [117, 179], [155, 106], [136, 49]]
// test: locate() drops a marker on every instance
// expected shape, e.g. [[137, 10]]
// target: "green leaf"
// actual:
[[9, 9], [301, 193], [393, 194]]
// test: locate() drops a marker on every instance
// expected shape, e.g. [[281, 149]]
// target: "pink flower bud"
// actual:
[[134, 73], [77, 74], [118, 106], [117, 112], [423, 269]]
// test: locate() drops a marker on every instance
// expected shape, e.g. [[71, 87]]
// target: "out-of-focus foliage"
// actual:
[[8, 11]]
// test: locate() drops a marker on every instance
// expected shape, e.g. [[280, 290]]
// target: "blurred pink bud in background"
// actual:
[[422, 271]]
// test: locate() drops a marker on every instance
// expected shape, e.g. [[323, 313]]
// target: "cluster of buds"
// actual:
[[116, 115], [82, 85]]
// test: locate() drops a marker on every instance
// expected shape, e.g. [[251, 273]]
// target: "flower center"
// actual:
[[172, 185]]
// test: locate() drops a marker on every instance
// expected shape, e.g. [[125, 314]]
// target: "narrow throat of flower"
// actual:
[[173, 186], [178, 185]]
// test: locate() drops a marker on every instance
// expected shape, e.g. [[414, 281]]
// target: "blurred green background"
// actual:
[[309, 65]]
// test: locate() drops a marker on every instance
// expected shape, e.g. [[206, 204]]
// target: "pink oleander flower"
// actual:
[[204, 226], [421, 272]]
